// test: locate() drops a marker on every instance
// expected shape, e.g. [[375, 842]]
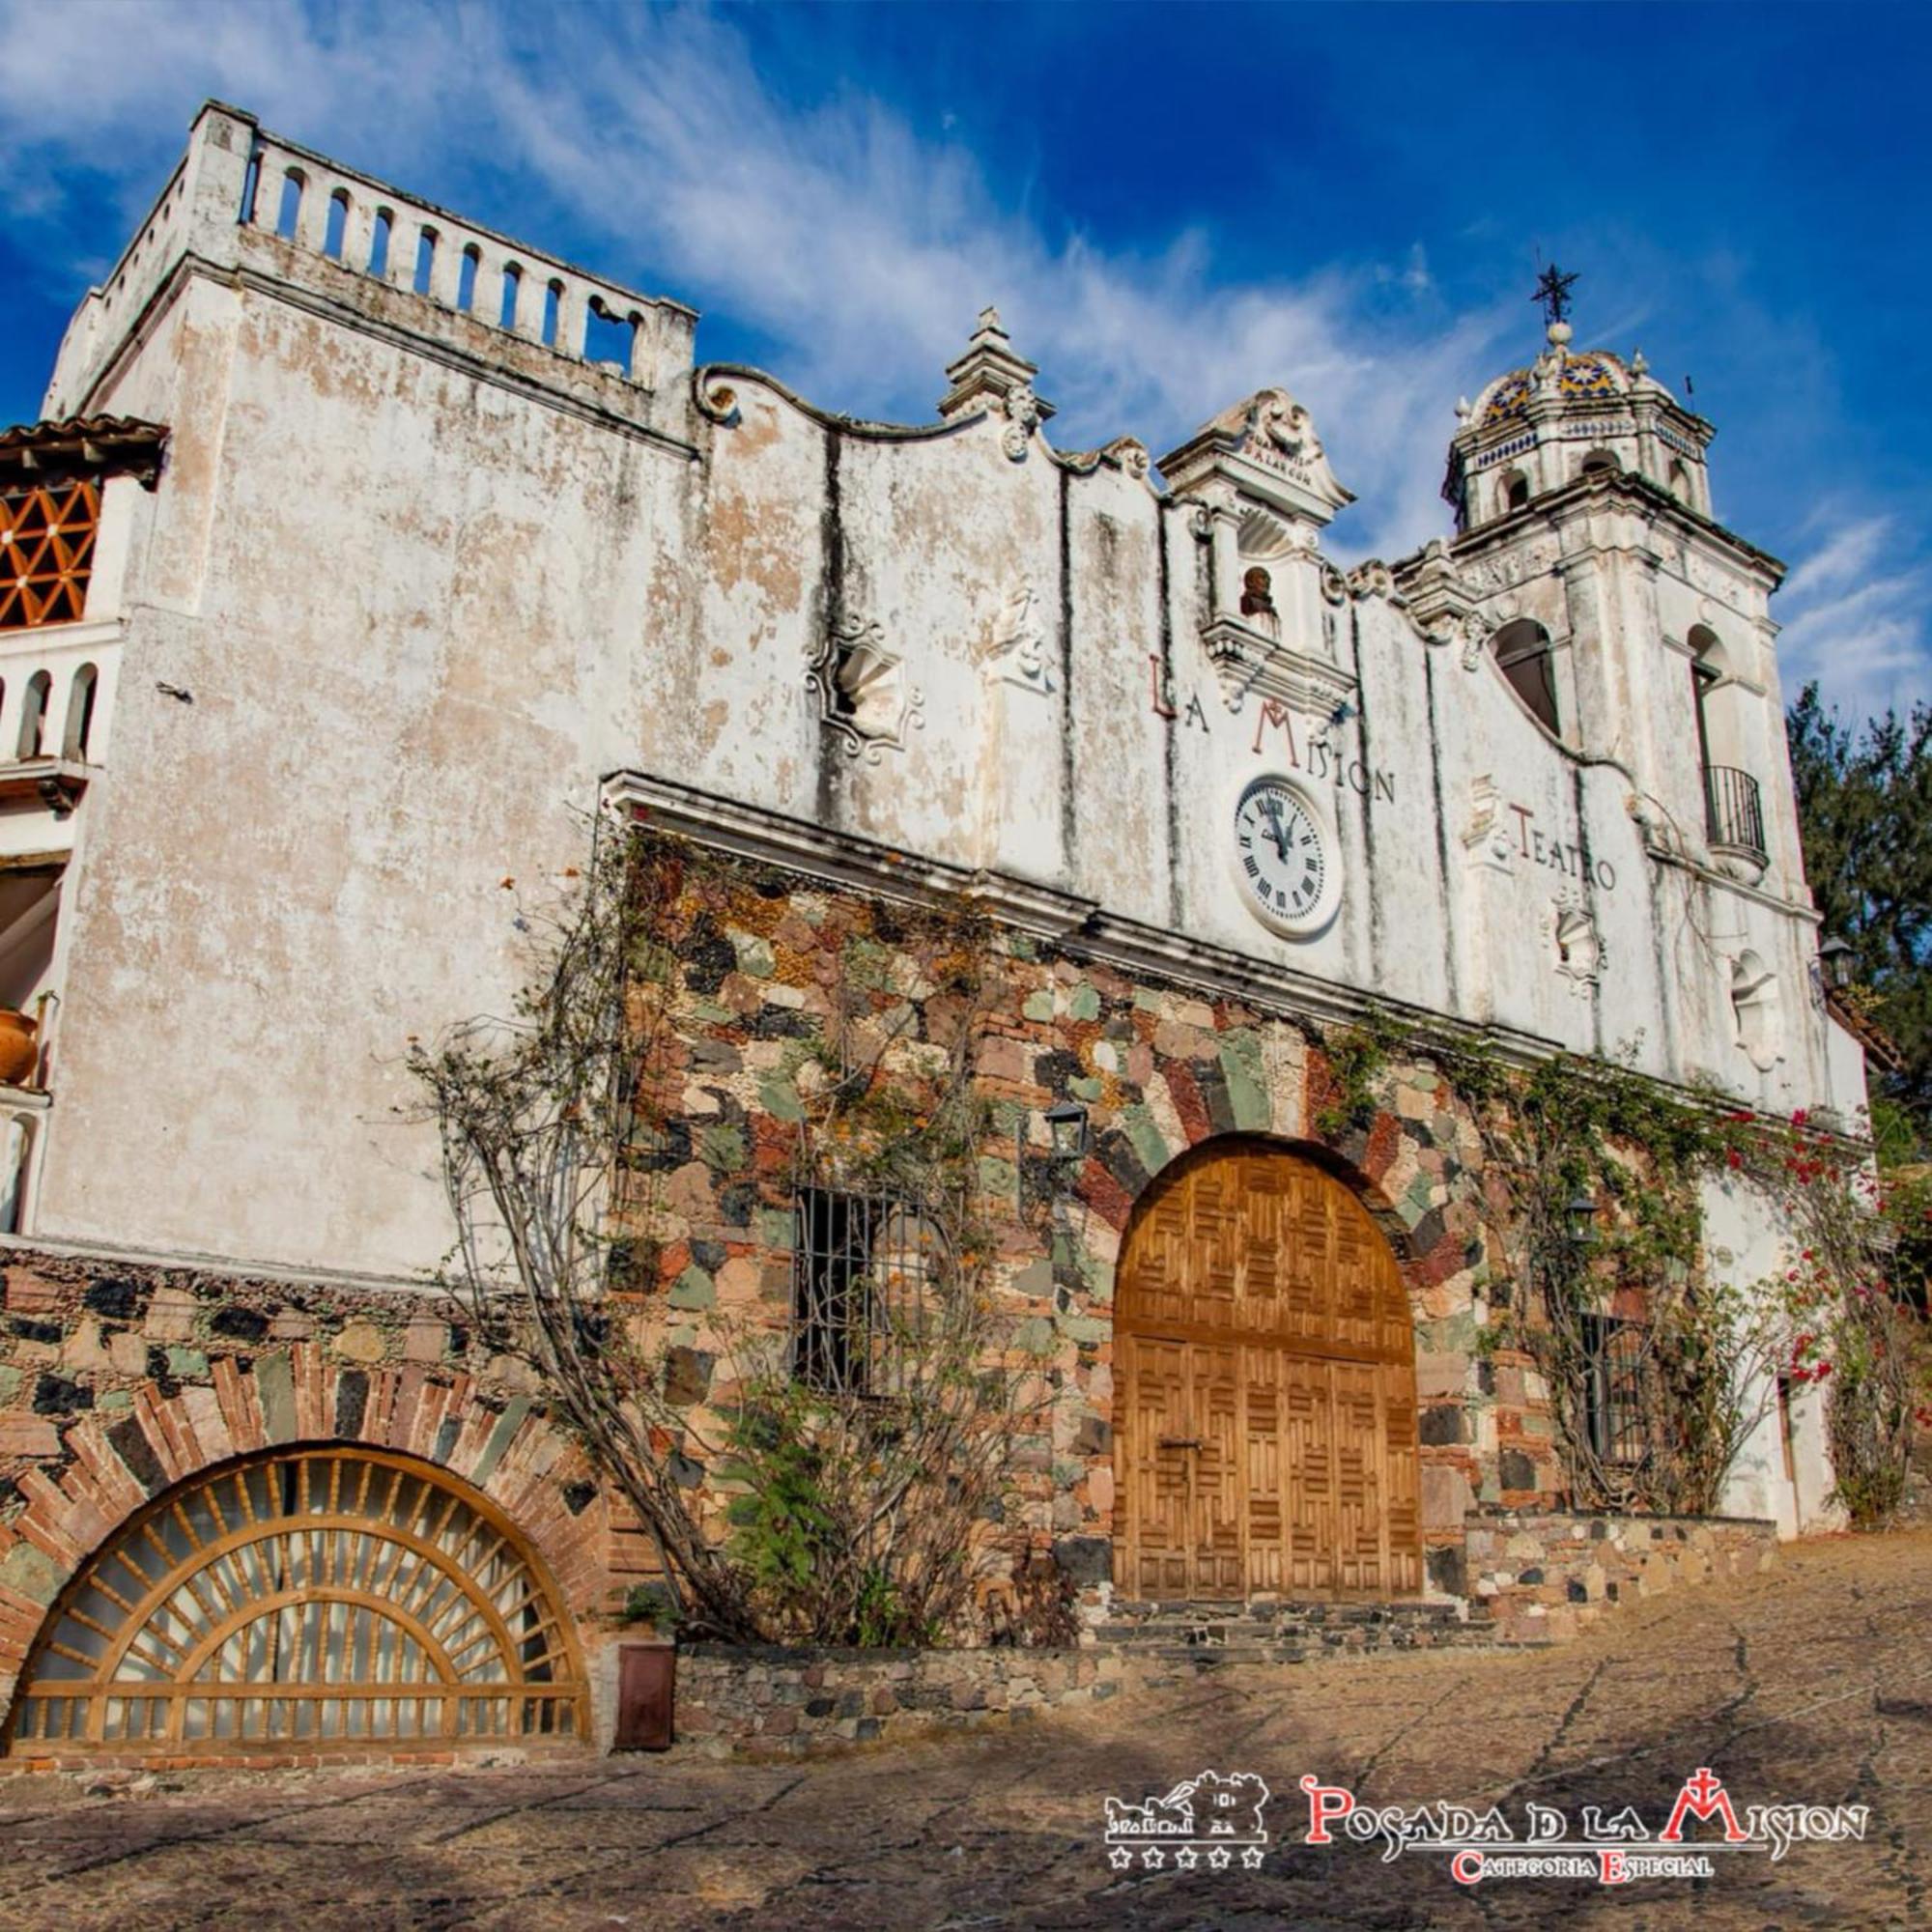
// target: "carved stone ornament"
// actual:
[[1023, 417], [863, 690], [1485, 835], [1477, 630], [1265, 448], [1131, 454], [1247, 658], [1569, 931], [1370, 578], [717, 402], [1015, 651]]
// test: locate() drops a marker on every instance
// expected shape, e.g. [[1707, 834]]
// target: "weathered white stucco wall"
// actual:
[[428, 581]]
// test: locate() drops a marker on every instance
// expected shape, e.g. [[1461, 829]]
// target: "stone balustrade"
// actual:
[[238, 183]]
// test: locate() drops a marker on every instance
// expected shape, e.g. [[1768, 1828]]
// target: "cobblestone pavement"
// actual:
[[1812, 1685]]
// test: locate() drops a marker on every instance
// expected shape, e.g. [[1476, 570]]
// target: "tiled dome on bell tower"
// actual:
[[1568, 414]]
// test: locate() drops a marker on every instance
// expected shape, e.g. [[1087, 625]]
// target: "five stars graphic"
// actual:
[[1217, 1858]]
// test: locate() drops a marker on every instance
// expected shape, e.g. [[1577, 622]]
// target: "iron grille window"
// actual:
[[1614, 1412], [865, 1267]]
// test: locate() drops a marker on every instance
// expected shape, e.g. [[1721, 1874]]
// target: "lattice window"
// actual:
[[865, 1275], [46, 552]]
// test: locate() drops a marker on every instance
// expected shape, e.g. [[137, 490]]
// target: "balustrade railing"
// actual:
[[236, 178], [1734, 811], [371, 229]]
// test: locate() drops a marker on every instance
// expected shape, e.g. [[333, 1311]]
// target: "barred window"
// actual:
[[1615, 1417], [864, 1271], [46, 552]]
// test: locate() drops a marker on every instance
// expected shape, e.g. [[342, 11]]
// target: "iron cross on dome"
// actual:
[[1552, 291]]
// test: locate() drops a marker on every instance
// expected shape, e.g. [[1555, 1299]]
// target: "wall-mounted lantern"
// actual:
[[1579, 1215], [1836, 964], [1066, 1130]]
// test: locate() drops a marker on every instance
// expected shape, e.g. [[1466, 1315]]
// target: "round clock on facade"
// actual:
[[1285, 858]]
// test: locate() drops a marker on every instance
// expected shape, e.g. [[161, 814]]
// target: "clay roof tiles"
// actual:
[[101, 445]]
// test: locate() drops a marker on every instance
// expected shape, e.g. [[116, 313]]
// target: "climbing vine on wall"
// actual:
[[856, 1422], [1659, 1367]]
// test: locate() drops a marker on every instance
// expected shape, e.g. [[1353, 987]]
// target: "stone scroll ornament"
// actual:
[[863, 690]]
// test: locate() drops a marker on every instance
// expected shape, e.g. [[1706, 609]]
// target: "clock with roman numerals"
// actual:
[[1285, 858]]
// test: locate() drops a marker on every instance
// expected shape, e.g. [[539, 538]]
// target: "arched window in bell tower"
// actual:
[[1598, 462], [1523, 656], [1733, 806], [1514, 492]]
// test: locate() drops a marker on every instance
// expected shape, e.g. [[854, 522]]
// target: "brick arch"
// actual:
[[1191, 1105], [121, 1461]]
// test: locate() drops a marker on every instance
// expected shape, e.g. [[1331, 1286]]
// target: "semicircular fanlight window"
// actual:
[[314, 1599]]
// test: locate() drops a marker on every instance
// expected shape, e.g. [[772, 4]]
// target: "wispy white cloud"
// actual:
[[1854, 614], [858, 245]]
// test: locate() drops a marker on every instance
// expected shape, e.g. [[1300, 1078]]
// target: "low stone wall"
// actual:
[[1546, 1578], [794, 1702]]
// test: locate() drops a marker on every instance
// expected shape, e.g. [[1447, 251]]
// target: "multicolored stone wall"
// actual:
[[1544, 1578], [795, 1703], [118, 1381], [771, 970]]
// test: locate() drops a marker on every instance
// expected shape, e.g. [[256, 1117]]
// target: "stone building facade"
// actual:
[[392, 549]]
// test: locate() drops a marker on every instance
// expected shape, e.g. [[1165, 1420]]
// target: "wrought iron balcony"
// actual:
[[1734, 813]]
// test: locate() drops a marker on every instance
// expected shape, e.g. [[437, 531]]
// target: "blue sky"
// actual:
[[1171, 205]]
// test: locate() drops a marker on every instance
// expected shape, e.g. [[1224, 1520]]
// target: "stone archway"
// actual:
[[1265, 1387]]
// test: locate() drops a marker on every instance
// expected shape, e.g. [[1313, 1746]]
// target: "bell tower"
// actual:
[[1571, 414], [1629, 622]]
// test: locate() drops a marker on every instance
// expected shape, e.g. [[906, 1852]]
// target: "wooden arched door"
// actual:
[[1265, 1398], [315, 1598]]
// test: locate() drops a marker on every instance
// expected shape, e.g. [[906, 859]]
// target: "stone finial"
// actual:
[[1639, 366], [988, 373]]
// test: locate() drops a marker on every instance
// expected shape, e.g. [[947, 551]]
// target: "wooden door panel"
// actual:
[[1261, 1319], [1266, 1494], [1157, 1473], [1215, 1408]]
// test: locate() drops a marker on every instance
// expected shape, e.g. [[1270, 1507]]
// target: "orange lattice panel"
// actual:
[[47, 551]]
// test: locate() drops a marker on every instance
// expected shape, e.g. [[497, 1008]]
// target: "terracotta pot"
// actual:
[[19, 1048]]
